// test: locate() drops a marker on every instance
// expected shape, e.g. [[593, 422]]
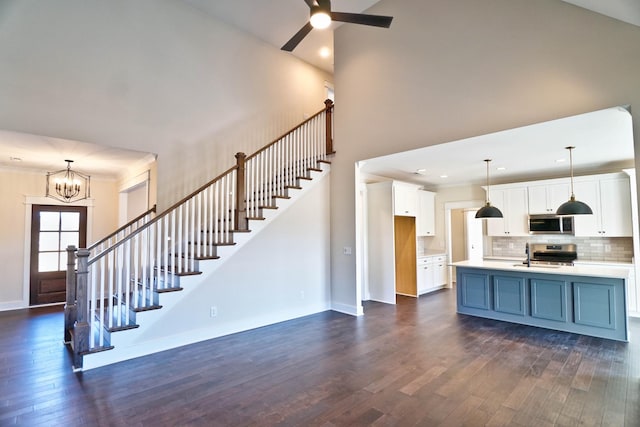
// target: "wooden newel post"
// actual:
[[81, 329], [70, 312], [328, 106], [240, 214]]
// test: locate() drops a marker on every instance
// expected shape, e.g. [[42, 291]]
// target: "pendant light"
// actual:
[[67, 185], [573, 206], [488, 211]]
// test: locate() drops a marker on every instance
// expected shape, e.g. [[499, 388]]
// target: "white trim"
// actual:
[[347, 309], [12, 305], [448, 207], [28, 204], [127, 186]]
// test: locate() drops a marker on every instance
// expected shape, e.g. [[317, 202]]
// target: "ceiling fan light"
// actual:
[[319, 18]]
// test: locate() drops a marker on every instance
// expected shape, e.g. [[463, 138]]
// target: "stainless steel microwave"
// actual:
[[551, 224]]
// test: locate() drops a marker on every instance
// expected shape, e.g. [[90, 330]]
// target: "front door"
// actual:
[[53, 228]]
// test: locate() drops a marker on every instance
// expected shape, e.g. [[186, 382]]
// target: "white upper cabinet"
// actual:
[[545, 199], [513, 203], [425, 220], [610, 200], [405, 199]]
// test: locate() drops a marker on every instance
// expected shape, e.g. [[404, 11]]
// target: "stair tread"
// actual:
[[167, 290], [96, 350], [206, 257], [146, 308]]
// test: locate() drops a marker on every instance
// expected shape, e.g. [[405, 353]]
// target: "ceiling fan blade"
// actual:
[[363, 19], [297, 38], [309, 2]]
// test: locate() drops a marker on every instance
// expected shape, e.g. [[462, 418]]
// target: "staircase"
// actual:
[[131, 279]]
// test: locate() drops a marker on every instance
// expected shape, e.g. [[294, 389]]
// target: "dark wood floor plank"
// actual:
[[415, 363]]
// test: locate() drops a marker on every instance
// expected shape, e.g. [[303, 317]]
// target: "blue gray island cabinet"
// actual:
[[584, 300]]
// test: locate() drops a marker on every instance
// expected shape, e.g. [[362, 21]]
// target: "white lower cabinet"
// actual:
[[432, 273]]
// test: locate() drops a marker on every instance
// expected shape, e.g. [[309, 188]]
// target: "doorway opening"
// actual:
[[465, 236]]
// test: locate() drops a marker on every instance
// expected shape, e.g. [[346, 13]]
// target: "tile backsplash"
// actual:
[[611, 249]]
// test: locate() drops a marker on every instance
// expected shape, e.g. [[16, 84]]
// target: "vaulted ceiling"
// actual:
[[274, 22]]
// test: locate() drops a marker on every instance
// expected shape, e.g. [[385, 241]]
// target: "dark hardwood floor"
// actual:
[[417, 363]]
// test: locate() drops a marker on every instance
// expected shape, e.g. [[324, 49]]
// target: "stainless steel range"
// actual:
[[554, 254]]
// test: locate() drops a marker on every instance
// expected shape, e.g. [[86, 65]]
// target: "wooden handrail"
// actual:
[[328, 106], [163, 214], [111, 235], [150, 248]]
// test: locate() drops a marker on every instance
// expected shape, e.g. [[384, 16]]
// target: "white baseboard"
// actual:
[[347, 309], [144, 348], [12, 305]]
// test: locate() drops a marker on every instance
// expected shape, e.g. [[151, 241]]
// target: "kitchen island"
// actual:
[[586, 300]]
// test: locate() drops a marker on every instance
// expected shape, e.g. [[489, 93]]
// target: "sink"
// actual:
[[537, 265]]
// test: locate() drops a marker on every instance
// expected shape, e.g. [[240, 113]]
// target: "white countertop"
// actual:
[[428, 254], [575, 270]]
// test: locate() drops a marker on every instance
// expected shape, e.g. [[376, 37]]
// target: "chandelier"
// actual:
[[68, 185]]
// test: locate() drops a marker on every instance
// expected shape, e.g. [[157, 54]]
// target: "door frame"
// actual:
[[28, 203], [448, 207], [37, 276]]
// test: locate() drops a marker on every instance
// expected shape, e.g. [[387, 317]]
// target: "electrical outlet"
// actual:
[[347, 250], [510, 245], [301, 294], [214, 311], [607, 248]]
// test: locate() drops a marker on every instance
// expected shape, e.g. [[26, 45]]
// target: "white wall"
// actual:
[[452, 69], [281, 273], [15, 187], [156, 76]]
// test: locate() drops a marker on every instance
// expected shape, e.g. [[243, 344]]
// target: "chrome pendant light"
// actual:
[[488, 211], [573, 206]]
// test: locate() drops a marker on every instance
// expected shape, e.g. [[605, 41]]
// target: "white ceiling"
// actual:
[[603, 141], [276, 21], [43, 153], [273, 21]]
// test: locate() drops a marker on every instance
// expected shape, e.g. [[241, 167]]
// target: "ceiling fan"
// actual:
[[321, 17]]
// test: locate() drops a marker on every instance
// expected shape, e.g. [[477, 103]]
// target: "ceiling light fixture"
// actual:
[[488, 211], [320, 17], [70, 186], [573, 206], [325, 52]]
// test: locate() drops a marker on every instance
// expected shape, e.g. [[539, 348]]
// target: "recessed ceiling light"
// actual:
[[444, 176], [561, 160], [501, 168], [325, 52], [15, 159]]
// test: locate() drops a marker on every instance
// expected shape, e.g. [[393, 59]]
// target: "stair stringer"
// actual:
[[277, 272]]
